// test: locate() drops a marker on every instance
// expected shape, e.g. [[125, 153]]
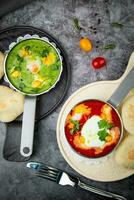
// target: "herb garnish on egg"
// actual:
[[104, 126]]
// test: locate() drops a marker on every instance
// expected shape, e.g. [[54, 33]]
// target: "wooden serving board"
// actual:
[[104, 169]]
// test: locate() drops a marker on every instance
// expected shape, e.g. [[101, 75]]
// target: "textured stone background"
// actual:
[[55, 16]]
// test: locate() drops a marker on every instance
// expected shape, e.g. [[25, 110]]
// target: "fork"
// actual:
[[63, 178]]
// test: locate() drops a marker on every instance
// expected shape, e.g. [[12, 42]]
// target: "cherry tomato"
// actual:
[[85, 44], [98, 62]]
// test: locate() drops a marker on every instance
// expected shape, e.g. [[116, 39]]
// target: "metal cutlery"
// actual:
[[63, 178]]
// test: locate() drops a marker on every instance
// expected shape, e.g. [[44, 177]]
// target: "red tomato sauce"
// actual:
[[96, 109]]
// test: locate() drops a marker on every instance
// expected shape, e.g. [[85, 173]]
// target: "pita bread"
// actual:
[[11, 104], [2, 57], [128, 114], [124, 155]]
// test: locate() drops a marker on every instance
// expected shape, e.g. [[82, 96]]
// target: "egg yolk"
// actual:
[[33, 65], [50, 59], [16, 74], [35, 68], [36, 83], [23, 53]]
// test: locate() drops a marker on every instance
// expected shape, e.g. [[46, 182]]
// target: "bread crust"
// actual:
[[11, 104], [128, 115], [124, 155], [2, 57]]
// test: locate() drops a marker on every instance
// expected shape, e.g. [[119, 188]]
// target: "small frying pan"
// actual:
[[114, 101], [26, 146]]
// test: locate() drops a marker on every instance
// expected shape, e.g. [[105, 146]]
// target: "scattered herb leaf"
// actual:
[[109, 46], [76, 24], [117, 24], [76, 126], [102, 134]]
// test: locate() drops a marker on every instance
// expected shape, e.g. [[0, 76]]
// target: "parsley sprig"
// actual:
[[103, 134], [104, 126], [76, 126]]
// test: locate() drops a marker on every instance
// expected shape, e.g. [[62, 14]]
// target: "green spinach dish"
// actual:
[[33, 66]]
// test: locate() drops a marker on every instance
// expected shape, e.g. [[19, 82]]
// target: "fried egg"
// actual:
[[89, 132]]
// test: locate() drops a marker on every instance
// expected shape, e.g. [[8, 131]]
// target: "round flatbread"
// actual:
[[128, 114], [2, 57], [11, 104], [124, 155]]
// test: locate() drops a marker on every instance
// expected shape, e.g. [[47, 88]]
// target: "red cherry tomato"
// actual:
[[98, 62]]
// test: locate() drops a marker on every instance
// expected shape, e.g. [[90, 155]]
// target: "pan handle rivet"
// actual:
[[26, 150]]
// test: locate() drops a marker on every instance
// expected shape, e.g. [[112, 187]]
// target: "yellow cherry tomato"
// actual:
[[50, 59], [85, 44]]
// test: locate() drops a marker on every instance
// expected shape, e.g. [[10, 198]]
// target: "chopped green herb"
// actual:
[[76, 24], [55, 67], [76, 126], [103, 124], [20, 59], [21, 86], [109, 126], [72, 131], [109, 46], [35, 90], [102, 134], [44, 53], [117, 24], [18, 68], [27, 48]]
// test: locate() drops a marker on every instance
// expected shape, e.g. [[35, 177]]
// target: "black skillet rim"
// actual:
[[58, 44]]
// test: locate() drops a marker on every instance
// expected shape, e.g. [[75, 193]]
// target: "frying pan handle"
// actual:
[[125, 86], [27, 134]]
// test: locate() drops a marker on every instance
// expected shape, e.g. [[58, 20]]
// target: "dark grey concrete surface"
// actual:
[[55, 16]]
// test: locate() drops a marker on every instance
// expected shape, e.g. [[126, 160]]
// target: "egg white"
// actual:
[[77, 116], [31, 63], [89, 132]]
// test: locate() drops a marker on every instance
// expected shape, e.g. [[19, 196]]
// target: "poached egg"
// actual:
[[33, 65], [89, 132]]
